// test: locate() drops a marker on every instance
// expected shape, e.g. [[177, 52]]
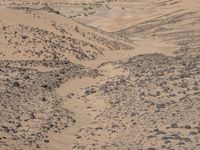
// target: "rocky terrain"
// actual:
[[100, 75]]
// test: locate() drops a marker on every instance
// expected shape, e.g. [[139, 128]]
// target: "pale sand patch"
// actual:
[[83, 115], [66, 139], [126, 14], [75, 85], [143, 46]]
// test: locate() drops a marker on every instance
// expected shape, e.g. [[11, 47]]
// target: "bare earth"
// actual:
[[100, 75]]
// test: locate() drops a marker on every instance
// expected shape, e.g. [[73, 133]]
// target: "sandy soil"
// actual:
[[100, 75]]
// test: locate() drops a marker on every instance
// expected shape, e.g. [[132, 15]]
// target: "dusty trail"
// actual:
[[82, 116], [142, 46], [85, 112]]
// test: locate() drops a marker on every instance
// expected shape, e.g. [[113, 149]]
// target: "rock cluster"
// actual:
[[29, 106], [155, 107]]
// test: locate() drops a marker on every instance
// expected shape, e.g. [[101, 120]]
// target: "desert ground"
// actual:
[[99, 75]]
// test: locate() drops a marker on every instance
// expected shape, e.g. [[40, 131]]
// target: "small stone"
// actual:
[[78, 137], [16, 84], [174, 125], [181, 143], [188, 127], [24, 37], [193, 133], [46, 141], [188, 140], [32, 115], [44, 99], [151, 149], [133, 114]]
